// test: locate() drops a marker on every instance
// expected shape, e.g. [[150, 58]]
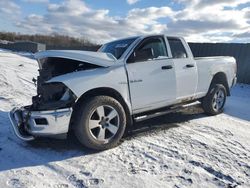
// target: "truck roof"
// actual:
[[144, 36]]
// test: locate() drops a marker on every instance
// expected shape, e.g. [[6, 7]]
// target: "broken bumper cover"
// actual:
[[30, 124]]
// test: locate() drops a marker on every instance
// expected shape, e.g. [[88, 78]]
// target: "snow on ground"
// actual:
[[185, 149]]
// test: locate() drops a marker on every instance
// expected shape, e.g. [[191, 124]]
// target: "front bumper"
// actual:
[[30, 124]]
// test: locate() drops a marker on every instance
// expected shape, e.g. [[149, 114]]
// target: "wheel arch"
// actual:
[[220, 78], [98, 92]]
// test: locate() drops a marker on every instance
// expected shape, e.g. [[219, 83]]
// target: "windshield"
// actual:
[[117, 48]]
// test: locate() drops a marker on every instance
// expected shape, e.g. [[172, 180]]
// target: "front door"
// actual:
[[151, 79]]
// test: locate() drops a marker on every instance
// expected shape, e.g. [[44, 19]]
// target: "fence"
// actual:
[[241, 52]]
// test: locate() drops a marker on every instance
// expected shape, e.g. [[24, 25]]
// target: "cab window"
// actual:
[[148, 49], [177, 48]]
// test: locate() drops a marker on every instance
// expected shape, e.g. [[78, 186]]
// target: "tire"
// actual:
[[101, 123], [213, 103]]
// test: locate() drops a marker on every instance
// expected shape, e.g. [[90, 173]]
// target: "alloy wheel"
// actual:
[[103, 123]]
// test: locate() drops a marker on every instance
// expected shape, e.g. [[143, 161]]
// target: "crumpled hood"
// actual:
[[96, 58]]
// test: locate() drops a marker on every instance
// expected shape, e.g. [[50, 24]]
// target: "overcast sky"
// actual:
[[105, 20]]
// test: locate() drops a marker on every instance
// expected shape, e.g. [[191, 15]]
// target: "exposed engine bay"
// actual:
[[54, 66], [53, 96], [53, 103]]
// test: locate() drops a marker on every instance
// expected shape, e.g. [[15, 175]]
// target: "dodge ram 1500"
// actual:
[[99, 94]]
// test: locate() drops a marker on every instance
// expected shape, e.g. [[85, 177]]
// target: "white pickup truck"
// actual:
[[99, 94]]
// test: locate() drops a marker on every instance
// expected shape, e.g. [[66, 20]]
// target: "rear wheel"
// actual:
[[101, 123], [213, 103]]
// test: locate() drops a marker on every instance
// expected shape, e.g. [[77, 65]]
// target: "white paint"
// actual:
[[150, 86], [98, 58], [200, 151]]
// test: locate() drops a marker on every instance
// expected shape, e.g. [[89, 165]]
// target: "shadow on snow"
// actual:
[[15, 153]]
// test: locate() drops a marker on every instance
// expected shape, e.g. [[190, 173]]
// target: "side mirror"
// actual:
[[144, 55]]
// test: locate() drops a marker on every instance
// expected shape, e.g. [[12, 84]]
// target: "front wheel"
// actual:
[[101, 123], [213, 103]]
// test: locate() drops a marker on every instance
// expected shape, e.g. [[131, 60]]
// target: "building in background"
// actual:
[[23, 46]]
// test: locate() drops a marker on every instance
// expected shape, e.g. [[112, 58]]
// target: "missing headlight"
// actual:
[[52, 96]]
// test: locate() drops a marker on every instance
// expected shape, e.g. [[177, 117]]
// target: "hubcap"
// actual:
[[218, 100], [104, 123]]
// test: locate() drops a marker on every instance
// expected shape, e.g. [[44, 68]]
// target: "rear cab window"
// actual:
[[177, 48]]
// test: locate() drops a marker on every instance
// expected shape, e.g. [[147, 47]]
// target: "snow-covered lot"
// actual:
[[185, 149]]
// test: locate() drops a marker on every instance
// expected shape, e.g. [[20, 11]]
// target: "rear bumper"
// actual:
[[30, 124]]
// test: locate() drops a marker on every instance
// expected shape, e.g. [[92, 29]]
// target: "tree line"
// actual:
[[54, 41]]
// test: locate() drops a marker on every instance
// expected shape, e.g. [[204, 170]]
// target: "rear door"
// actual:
[[151, 81], [185, 69]]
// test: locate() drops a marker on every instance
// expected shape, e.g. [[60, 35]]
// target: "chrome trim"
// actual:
[[58, 122], [14, 124]]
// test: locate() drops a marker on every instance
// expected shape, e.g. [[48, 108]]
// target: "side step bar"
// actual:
[[161, 113]]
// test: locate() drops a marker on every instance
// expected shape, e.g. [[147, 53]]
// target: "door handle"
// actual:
[[166, 67], [190, 65]]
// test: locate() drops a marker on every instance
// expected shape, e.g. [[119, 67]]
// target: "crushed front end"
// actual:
[[50, 112], [30, 124]]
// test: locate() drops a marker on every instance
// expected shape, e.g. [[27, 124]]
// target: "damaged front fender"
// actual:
[[53, 96]]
